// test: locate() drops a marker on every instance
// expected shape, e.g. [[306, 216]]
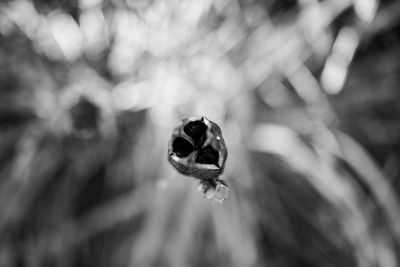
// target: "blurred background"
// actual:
[[306, 93]]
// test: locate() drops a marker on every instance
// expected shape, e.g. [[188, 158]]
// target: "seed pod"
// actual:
[[197, 148]]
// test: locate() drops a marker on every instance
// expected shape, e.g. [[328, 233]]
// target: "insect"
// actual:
[[197, 149]]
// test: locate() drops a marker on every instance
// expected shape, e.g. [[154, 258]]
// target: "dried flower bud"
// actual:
[[197, 148]]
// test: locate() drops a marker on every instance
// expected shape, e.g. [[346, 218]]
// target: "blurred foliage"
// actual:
[[306, 93]]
